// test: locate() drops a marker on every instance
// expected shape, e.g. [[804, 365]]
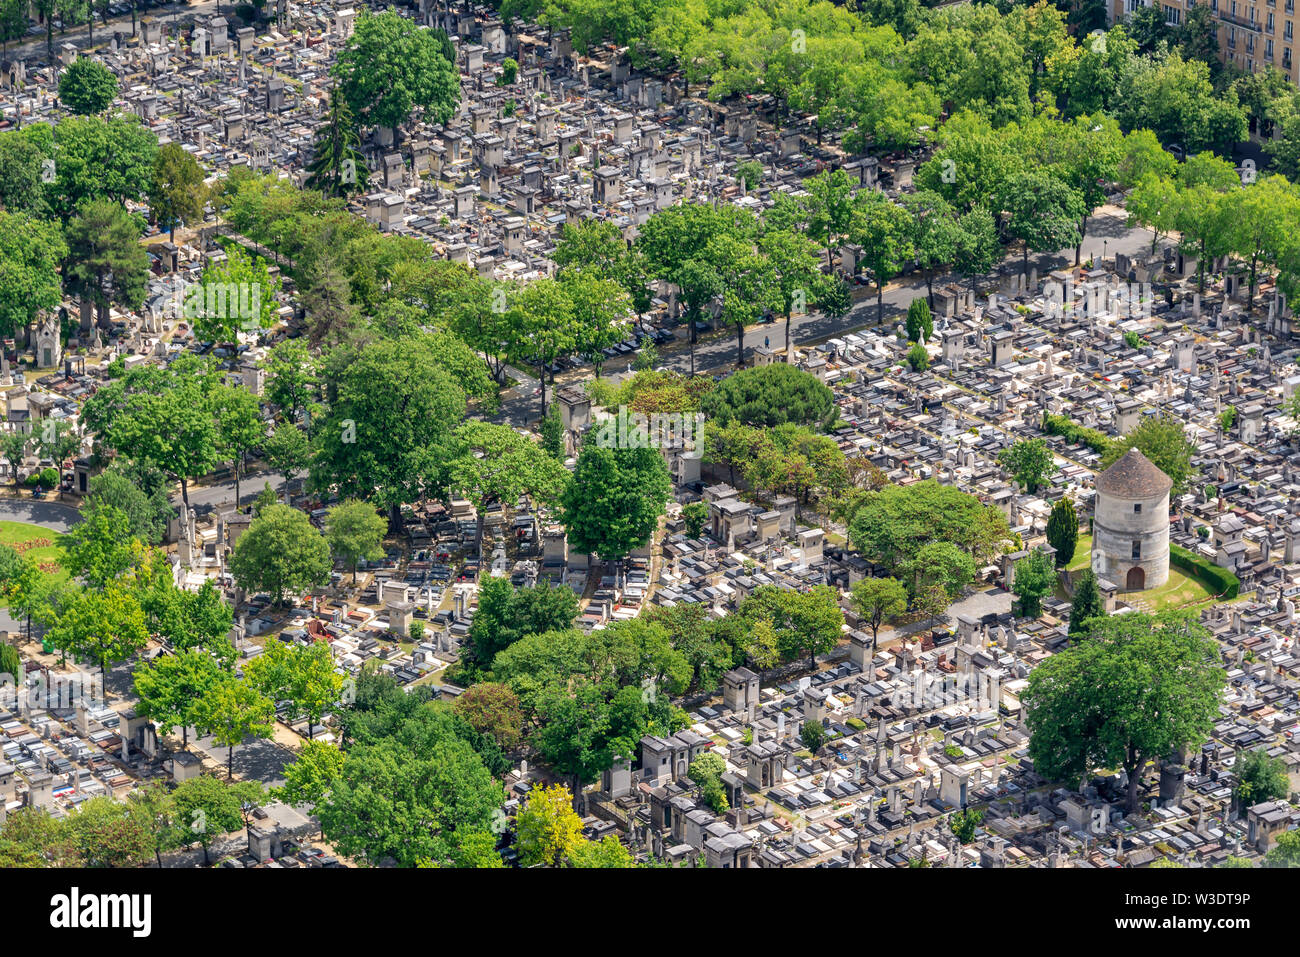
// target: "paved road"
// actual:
[[1108, 233], [35, 43], [223, 493]]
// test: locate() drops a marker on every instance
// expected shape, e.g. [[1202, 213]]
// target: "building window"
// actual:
[[1137, 550], [1268, 49], [1286, 33], [1137, 509], [1269, 23], [1172, 16]]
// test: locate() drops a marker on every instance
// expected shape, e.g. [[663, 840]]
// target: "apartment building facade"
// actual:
[[1252, 33]]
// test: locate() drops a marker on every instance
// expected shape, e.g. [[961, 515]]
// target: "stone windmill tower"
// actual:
[[1130, 526]]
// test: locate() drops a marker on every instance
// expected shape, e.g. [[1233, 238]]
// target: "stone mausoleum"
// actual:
[[1130, 524]]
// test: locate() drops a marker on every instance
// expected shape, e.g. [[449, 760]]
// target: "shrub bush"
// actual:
[[1221, 582], [1074, 433]]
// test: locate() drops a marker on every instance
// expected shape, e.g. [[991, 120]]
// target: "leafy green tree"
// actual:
[[608, 852], [391, 68], [695, 515], [281, 551], [493, 709], [919, 322], [918, 358], [292, 382], [105, 833], [187, 619], [1163, 440], [11, 663], [233, 295], [808, 622], [240, 429], [409, 802], [1148, 27], [792, 258], [548, 827], [355, 531], [706, 772], [939, 563], [22, 163], [614, 502], [1175, 99], [30, 254], [1042, 212], [304, 675], [1260, 778], [978, 250], [1063, 531], [883, 229], [99, 548], [106, 160], [600, 310], [13, 22], [233, 710], [506, 614], [964, 823], [339, 167], [1285, 851], [1034, 576], [205, 807], [813, 735], [105, 262], [312, 774], [87, 86], [1142, 686], [878, 599], [105, 626], [830, 209], [170, 689], [177, 192], [771, 395], [152, 803], [389, 426], [836, 297], [495, 465], [159, 418], [288, 451], [1260, 224], [891, 525], [1085, 605], [1030, 463], [13, 446]]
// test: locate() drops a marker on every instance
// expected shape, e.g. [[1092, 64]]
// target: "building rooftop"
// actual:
[[1134, 476]]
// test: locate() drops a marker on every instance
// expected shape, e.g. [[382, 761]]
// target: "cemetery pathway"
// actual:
[[1108, 233], [77, 36]]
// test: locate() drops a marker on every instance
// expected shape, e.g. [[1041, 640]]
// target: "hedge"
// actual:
[[1075, 433], [1221, 582]]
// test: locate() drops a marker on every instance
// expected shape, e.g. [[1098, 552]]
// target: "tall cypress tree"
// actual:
[[1086, 604], [338, 168], [1063, 531]]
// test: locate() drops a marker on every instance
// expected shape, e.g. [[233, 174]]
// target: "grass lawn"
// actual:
[[1178, 592], [38, 543], [1082, 554]]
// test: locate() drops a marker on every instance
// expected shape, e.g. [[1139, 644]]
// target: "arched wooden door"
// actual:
[[1137, 579]]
